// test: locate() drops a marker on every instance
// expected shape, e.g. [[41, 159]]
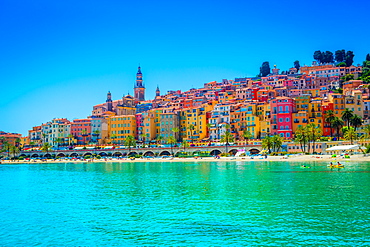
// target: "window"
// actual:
[[287, 120], [280, 120]]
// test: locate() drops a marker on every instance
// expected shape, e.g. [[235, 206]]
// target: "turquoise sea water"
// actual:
[[184, 204]]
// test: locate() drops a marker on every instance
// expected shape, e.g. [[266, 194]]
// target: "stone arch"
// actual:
[[196, 152], [254, 151], [103, 154], [73, 155], [47, 156], [88, 154], [61, 155], [233, 151], [132, 153], [34, 156], [22, 155], [165, 152], [215, 152], [117, 154], [149, 153]]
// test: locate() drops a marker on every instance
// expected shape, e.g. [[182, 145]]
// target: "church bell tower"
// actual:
[[139, 89]]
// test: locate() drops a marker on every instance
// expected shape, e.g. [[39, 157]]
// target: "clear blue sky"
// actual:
[[59, 58]]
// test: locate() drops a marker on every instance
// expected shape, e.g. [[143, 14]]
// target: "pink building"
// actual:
[[77, 127], [281, 117]]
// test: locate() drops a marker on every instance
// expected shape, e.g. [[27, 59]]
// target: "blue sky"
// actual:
[[59, 58]]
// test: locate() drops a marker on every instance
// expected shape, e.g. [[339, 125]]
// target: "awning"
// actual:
[[345, 147], [108, 147], [78, 148]]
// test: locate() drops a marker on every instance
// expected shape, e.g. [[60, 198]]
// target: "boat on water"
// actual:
[[304, 166], [336, 166]]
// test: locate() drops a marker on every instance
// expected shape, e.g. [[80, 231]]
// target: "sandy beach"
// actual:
[[290, 158]]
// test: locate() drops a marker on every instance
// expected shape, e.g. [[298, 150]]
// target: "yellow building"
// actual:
[[315, 113], [120, 127], [299, 119], [338, 103], [197, 117]]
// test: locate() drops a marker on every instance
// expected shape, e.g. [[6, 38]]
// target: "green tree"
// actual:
[[329, 117], [84, 135], [143, 136], [58, 141], [175, 130], [347, 77], [185, 144], [70, 138], [340, 55], [191, 128], [367, 131], [328, 57], [350, 134], [227, 138], [246, 136], [349, 58], [277, 142], [6, 147], [314, 132], [96, 133], [297, 65], [368, 57], [301, 136], [341, 64], [171, 140], [318, 56], [159, 139], [347, 115], [46, 147], [113, 138], [338, 124], [130, 142], [267, 143], [356, 121], [265, 69], [14, 150]]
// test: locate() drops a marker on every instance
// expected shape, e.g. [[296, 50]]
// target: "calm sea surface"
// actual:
[[184, 204]]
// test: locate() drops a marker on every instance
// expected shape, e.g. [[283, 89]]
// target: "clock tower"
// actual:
[[139, 89]]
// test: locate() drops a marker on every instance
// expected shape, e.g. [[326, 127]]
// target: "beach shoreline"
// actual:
[[290, 158]]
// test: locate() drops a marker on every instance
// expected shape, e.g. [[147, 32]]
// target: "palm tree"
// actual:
[[46, 147], [347, 114], [329, 117], [356, 121], [302, 137], [96, 134], [367, 131], [277, 142], [14, 150], [6, 147], [227, 137], [70, 138], [130, 142], [84, 135], [175, 130], [159, 139], [246, 135], [314, 132], [185, 144], [58, 141], [113, 137], [267, 143], [143, 138], [350, 134], [171, 140], [191, 127], [338, 124]]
